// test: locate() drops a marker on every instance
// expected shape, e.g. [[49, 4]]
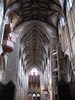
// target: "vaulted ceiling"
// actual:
[[35, 41], [42, 10], [34, 38]]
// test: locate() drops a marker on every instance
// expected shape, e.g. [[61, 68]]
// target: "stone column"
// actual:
[[12, 67], [70, 48]]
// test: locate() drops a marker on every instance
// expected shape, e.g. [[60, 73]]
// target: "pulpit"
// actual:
[[8, 40]]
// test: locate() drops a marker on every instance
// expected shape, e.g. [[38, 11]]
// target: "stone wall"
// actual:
[[67, 36]]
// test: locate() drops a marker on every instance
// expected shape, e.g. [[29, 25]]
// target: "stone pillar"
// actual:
[[25, 87], [1, 36], [11, 71], [42, 85], [70, 49], [2, 24], [1, 68]]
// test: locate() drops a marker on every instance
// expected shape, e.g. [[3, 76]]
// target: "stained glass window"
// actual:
[[34, 71]]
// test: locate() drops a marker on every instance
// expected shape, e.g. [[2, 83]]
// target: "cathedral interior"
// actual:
[[37, 49]]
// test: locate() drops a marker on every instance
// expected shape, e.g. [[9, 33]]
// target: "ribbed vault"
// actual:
[[42, 10], [34, 39]]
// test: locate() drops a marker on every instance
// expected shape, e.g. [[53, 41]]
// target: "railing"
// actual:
[[32, 89]]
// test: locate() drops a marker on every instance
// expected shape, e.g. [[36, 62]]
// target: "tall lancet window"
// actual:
[[34, 71]]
